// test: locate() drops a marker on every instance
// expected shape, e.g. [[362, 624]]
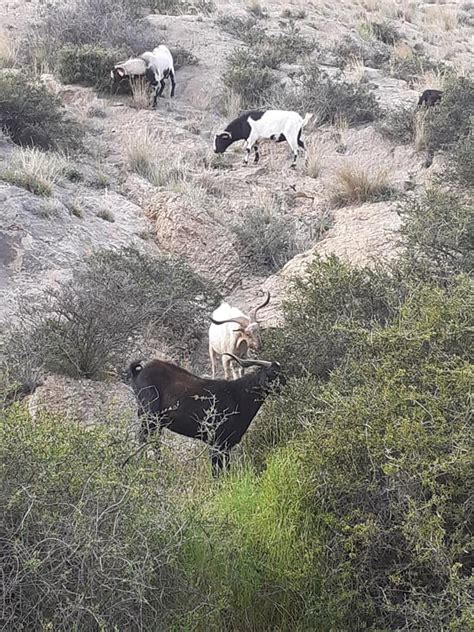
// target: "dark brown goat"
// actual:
[[217, 412], [430, 97]]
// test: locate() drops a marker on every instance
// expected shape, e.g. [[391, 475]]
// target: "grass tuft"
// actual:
[[356, 185]]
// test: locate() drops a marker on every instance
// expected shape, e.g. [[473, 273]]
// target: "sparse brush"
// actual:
[[266, 238], [35, 170], [356, 185], [399, 124]]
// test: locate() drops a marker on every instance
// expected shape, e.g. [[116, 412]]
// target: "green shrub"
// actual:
[[360, 519], [332, 98], [247, 551], [73, 330], [330, 306], [438, 231], [88, 65], [399, 124], [462, 160], [266, 240], [452, 118], [79, 528], [34, 117], [245, 76]]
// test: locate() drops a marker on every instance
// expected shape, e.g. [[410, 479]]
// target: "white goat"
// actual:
[[278, 125], [234, 332], [155, 66]]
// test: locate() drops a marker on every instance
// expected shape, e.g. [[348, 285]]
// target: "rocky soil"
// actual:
[[42, 241]]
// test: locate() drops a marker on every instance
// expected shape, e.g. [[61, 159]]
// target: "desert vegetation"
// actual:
[[348, 504]]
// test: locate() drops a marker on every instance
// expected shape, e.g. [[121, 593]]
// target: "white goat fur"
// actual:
[[228, 338], [274, 123], [161, 60]]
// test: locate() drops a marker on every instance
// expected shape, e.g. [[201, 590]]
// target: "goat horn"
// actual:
[[245, 364], [240, 321], [265, 302]]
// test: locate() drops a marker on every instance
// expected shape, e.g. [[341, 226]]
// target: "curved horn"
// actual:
[[253, 313], [245, 364], [243, 322]]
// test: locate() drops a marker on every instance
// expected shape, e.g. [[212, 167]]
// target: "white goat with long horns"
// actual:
[[234, 332]]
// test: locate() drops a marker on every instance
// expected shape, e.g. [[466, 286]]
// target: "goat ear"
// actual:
[[225, 135], [120, 72]]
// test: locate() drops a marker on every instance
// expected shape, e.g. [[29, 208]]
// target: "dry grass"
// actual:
[[339, 133], [143, 157], [356, 185], [442, 17], [232, 104], [8, 51], [314, 157], [35, 170], [140, 94], [355, 69], [401, 50], [431, 79], [420, 137]]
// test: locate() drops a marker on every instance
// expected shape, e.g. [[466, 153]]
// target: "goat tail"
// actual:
[[307, 118], [134, 369]]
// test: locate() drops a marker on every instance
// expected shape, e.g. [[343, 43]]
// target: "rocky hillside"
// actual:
[[193, 201]]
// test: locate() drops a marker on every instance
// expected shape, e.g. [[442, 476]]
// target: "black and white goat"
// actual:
[[277, 125], [155, 66]]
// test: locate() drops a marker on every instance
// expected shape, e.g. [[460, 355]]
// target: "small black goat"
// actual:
[[430, 97], [217, 412]]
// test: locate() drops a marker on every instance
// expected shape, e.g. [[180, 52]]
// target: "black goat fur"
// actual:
[[218, 412]]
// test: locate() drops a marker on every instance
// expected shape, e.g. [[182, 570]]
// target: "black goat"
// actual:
[[430, 97], [217, 412]]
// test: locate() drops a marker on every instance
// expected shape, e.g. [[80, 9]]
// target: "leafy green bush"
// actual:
[[462, 160], [452, 118], [438, 231], [85, 541], [88, 65], [75, 331], [360, 519], [34, 117], [332, 98], [246, 77], [330, 306]]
